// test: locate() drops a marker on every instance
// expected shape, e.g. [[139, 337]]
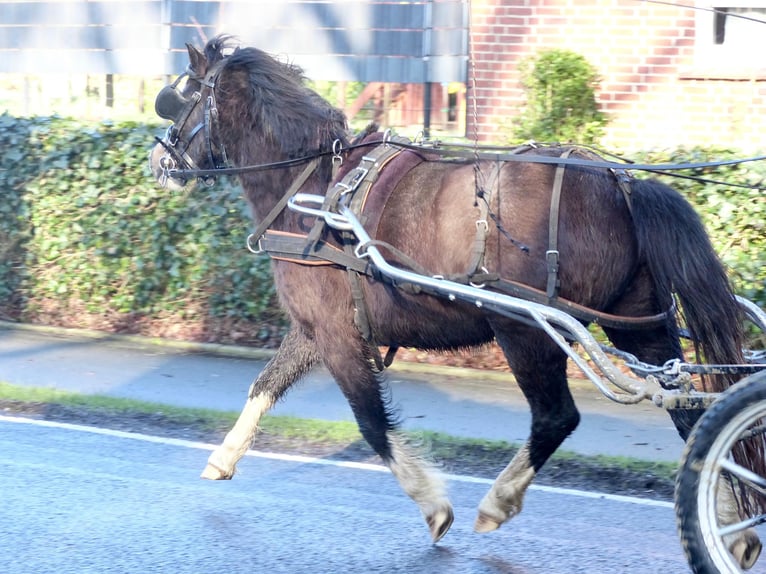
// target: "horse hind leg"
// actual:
[[348, 360], [540, 370], [295, 357]]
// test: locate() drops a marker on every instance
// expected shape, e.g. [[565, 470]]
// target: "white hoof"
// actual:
[[212, 472], [485, 523], [746, 549]]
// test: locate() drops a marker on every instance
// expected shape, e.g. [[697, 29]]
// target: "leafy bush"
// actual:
[[89, 237], [561, 104]]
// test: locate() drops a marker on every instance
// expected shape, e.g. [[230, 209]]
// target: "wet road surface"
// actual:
[[75, 501]]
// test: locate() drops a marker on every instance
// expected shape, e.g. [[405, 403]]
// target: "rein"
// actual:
[[457, 152], [171, 104]]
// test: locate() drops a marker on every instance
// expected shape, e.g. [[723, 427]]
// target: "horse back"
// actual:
[[438, 212]]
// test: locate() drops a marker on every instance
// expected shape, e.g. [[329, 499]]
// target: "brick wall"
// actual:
[[656, 86]]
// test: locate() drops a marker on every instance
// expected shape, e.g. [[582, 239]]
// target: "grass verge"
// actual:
[[455, 453]]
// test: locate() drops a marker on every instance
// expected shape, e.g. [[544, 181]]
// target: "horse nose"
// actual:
[[160, 164]]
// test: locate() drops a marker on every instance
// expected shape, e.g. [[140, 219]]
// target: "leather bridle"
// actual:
[[171, 104]]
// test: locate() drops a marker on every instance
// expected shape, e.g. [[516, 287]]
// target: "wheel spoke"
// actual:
[[740, 526], [746, 475]]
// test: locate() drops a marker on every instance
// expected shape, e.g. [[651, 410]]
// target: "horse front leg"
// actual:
[[540, 370], [295, 357], [349, 360]]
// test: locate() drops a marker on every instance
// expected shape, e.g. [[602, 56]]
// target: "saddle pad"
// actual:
[[370, 199]]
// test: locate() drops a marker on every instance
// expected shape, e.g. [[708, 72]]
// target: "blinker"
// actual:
[[170, 103]]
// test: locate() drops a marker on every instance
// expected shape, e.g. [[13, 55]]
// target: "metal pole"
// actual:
[[427, 110], [427, 48]]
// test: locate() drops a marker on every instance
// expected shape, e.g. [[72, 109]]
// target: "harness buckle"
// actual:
[[352, 181], [552, 261], [482, 284], [337, 149]]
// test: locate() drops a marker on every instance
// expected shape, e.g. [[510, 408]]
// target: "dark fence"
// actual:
[[368, 41]]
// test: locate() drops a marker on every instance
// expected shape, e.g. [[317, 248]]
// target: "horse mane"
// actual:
[[272, 106]]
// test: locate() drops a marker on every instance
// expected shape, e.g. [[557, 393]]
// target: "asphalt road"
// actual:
[[467, 404], [80, 500]]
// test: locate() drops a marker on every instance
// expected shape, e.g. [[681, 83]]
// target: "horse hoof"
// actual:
[[746, 549], [212, 472], [485, 523], [439, 523]]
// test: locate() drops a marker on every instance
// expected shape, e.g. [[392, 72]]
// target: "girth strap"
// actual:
[[552, 254]]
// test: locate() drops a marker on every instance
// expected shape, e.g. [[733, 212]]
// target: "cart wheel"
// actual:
[[713, 542]]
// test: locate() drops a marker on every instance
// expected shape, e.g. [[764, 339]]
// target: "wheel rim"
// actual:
[[713, 467]]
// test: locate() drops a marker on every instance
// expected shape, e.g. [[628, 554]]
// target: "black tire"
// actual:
[[709, 446]]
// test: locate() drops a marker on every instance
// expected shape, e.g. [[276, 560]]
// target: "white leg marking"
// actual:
[[221, 464], [745, 546], [504, 500], [422, 482]]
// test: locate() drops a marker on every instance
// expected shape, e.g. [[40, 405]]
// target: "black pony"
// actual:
[[618, 251]]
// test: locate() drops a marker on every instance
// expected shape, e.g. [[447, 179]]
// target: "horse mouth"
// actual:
[[161, 163]]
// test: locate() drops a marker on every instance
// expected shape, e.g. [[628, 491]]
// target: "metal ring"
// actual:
[[257, 250], [479, 285]]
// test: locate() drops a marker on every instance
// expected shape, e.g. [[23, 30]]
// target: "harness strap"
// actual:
[[482, 223], [624, 178], [578, 311], [280, 206], [363, 176], [286, 246], [372, 165], [552, 255], [291, 247], [358, 186]]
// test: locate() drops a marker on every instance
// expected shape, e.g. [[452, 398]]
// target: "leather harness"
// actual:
[[359, 183]]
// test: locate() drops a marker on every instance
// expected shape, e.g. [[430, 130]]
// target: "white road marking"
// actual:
[[321, 461]]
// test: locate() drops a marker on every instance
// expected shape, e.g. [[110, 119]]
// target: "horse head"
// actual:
[[192, 141], [238, 106]]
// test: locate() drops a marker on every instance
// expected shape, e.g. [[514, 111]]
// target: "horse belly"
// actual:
[[431, 218], [424, 321]]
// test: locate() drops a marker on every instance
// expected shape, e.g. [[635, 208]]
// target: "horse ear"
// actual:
[[197, 60]]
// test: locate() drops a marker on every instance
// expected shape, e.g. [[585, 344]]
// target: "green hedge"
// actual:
[[88, 239]]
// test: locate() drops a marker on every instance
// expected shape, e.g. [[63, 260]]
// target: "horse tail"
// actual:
[[674, 244]]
